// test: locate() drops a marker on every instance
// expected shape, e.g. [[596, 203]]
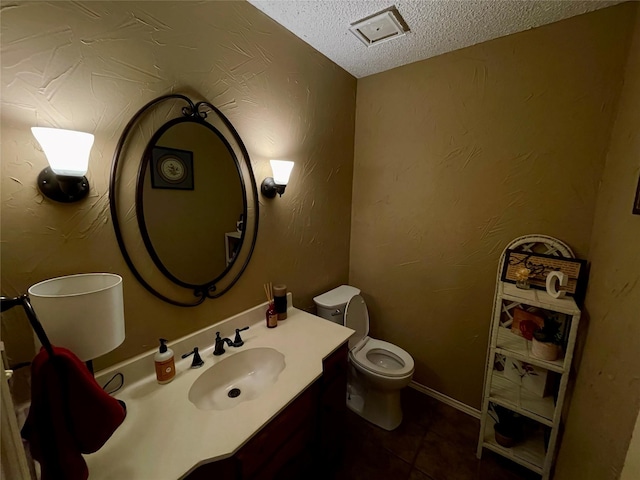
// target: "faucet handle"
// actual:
[[238, 342], [219, 345], [197, 361]]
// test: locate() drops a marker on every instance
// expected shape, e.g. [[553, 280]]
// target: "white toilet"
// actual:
[[378, 370]]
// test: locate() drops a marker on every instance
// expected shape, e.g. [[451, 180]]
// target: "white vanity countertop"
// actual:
[[165, 436]]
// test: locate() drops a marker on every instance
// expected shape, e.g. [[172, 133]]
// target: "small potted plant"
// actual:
[[508, 426], [547, 341]]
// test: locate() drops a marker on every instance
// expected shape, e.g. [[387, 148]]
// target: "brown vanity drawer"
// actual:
[[265, 444], [332, 413], [335, 364], [292, 457]]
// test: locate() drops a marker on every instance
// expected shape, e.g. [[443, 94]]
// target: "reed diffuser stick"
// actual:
[[272, 316]]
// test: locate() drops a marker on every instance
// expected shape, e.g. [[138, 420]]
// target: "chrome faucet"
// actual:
[[219, 346]]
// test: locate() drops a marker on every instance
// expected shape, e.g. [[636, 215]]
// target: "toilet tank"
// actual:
[[330, 305]]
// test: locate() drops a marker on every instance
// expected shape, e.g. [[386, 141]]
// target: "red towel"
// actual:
[[70, 414]]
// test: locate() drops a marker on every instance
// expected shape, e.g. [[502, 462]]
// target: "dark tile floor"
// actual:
[[434, 442]]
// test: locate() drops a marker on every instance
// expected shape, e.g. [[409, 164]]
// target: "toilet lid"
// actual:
[[356, 317]]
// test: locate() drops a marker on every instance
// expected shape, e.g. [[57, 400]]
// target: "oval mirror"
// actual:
[[191, 202], [194, 198]]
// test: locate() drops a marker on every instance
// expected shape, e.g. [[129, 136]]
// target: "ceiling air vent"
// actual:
[[380, 27]]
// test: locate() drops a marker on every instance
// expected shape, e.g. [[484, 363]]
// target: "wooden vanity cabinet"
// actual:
[[305, 440], [332, 411]]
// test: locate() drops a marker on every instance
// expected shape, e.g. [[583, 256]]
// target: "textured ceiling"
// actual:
[[436, 26]]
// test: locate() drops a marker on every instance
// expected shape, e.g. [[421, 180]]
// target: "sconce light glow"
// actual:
[[67, 152], [281, 172]]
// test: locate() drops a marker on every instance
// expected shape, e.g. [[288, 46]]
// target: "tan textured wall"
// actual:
[[607, 392], [457, 155], [91, 65]]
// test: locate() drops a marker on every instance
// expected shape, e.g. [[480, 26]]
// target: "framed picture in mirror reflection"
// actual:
[[171, 168]]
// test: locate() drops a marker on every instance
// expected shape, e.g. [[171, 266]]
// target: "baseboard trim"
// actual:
[[452, 402]]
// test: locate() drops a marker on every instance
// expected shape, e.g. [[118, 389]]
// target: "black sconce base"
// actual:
[[62, 188], [269, 188]]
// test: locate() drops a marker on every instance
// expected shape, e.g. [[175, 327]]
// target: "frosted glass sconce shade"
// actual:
[[281, 172], [84, 313], [67, 151], [68, 155]]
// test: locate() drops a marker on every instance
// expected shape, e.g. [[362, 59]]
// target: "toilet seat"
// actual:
[[383, 358], [377, 356]]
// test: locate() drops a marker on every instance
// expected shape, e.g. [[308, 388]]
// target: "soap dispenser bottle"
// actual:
[[165, 365]]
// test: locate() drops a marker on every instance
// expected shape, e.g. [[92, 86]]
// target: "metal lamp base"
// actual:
[[62, 188], [269, 188]]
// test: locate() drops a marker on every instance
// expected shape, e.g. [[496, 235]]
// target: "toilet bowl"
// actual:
[[378, 369]]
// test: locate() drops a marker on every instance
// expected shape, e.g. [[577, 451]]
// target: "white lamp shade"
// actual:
[[84, 313], [67, 151], [281, 171]]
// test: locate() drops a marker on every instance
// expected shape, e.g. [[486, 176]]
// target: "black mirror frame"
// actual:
[[193, 112]]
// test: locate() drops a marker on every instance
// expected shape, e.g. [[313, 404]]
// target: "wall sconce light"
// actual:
[[67, 152], [281, 171]]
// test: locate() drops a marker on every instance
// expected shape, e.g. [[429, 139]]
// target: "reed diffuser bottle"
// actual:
[[271, 314]]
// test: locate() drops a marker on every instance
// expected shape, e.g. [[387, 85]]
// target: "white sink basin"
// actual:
[[240, 377]]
